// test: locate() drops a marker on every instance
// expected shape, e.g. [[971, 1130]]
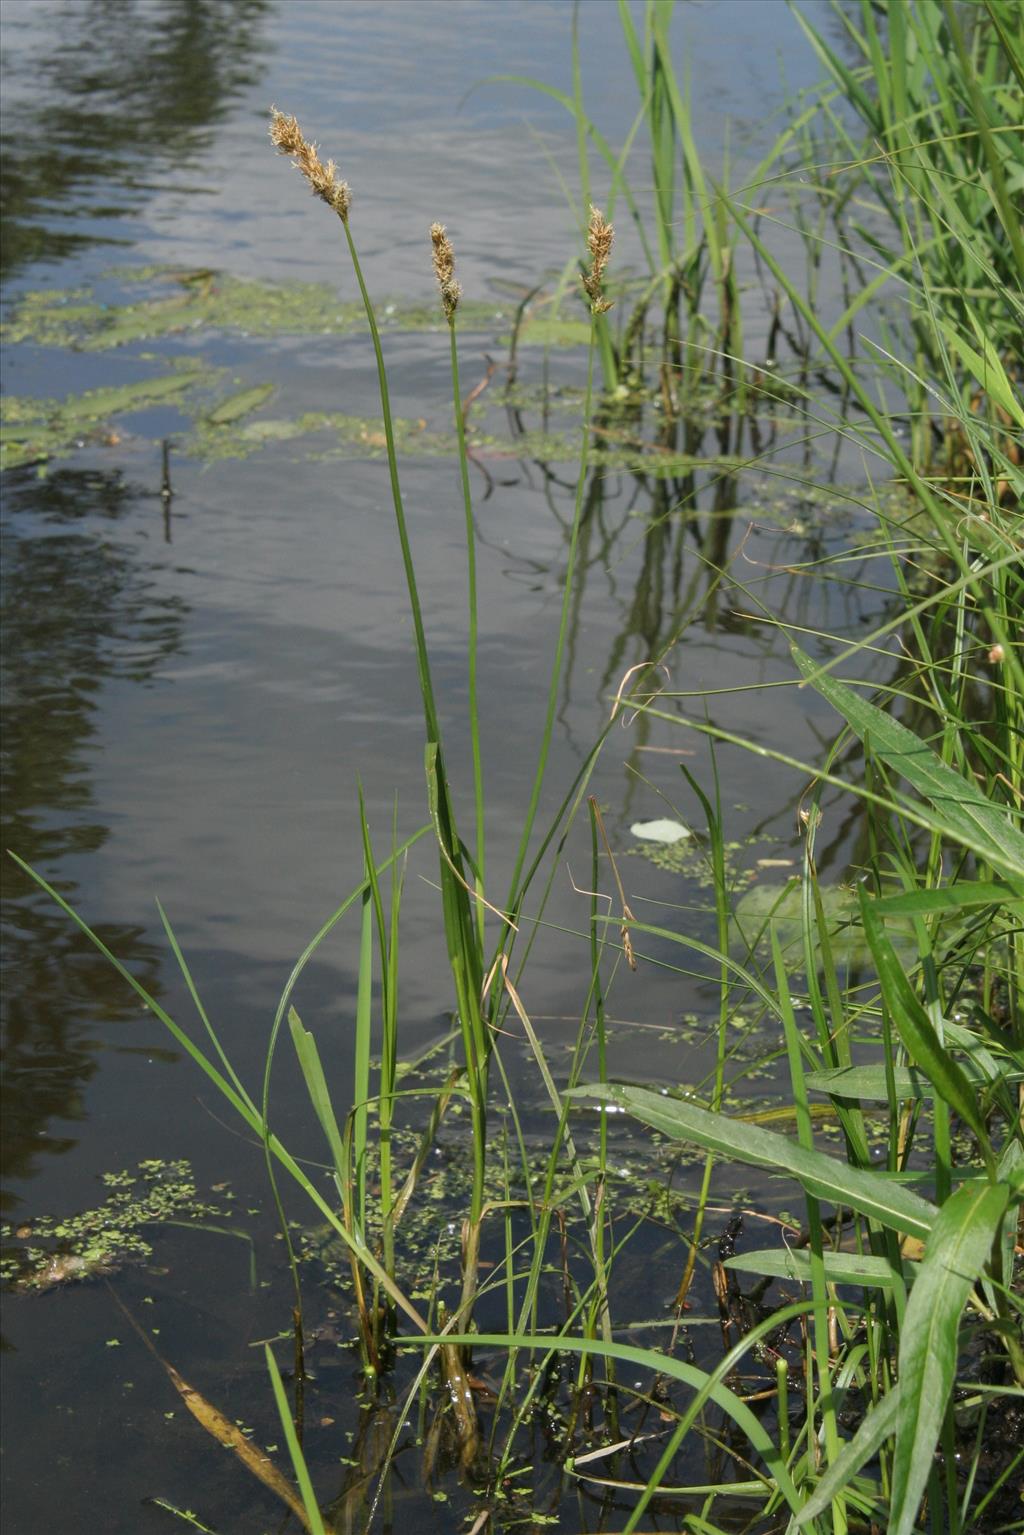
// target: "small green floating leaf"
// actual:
[[241, 404]]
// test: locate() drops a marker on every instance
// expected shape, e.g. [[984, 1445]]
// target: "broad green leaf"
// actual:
[[927, 903], [916, 1031], [959, 809], [957, 1250], [795, 1263], [871, 1193], [870, 1082]]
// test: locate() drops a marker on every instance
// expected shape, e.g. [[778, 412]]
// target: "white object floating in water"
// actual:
[[659, 831]]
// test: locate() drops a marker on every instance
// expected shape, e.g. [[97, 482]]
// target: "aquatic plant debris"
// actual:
[[660, 831]]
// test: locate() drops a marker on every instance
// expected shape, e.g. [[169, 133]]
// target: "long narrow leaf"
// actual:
[[313, 1518], [869, 1192], [959, 808], [958, 1248], [916, 1031], [795, 1263], [876, 1427], [316, 1085], [872, 1082]]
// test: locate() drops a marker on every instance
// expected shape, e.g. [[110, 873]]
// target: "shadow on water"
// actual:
[[78, 613], [122, 93]]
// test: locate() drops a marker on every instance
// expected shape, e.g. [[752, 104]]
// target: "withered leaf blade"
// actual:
[[231, 1436]]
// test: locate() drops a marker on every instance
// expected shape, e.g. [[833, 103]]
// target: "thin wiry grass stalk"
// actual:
[[825, 1393], [361, 1044], [472, 636], [461, 933]]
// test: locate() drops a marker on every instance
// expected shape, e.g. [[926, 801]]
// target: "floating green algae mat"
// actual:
[[36, 430], [179, 302], [156, 304], [217, 437], [58, 1250]]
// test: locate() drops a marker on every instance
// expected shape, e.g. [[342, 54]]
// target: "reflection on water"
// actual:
[[103, 98], [77, 611], [122, 92]]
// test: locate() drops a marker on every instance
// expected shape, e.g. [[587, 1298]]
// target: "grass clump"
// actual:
[[884, 1324]]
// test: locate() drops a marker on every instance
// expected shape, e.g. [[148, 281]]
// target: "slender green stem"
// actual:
[[422, 660], [472, 644]]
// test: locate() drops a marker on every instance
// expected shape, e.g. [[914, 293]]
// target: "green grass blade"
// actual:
[[319, 1093], [986, 368], [254, 1120], [918, 1035], [200, 1009], [302, 1477], [877, 1426], [959, 897]]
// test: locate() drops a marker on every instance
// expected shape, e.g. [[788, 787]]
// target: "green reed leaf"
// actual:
[[916, 1031], [795, 1263], [959, 810], [872, 1082], [876, 1427], [869, 1192], [959, 1246]]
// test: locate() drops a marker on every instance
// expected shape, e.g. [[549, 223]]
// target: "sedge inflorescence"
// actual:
[[600, 235], [287, 137], [444, 269]]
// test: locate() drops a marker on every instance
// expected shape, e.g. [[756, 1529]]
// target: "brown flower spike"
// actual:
[[444, 269], [286, 136], [600, 235]]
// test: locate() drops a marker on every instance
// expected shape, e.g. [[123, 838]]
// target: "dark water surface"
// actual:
[[192, 692]]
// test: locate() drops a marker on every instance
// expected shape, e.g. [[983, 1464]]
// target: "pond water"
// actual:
[[207, 646]]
